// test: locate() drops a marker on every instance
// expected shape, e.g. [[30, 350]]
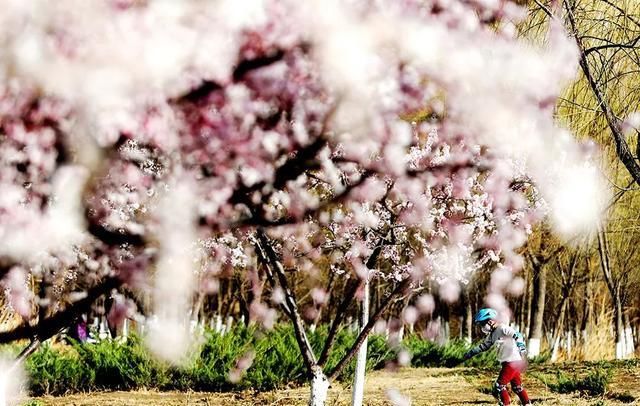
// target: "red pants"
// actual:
[[510, 373]]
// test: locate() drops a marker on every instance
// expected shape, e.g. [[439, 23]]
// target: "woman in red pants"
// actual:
[[511, 354]]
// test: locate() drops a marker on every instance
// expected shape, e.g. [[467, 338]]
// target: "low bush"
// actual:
[[116, 365], [594, 383], [426, 353], [53, 371]]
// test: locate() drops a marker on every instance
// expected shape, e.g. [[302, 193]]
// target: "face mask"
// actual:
[[486, 328]]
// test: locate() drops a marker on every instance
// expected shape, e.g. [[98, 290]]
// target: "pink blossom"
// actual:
[[426, 304]]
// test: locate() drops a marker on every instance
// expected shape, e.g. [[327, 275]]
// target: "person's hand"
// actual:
[[521, 347]]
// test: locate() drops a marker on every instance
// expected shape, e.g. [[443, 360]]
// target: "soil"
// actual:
[[424, 386]]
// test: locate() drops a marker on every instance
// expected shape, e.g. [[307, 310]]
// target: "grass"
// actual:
[[425, 387]]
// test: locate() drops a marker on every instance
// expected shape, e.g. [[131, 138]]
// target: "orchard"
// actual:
[[221, 196]]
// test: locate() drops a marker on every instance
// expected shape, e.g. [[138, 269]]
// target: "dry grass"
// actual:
[[424, 387]]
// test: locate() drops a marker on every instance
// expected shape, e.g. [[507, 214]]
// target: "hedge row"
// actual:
[[113, 365]]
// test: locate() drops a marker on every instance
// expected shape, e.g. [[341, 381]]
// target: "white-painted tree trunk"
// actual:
[[361, 363], [218, 327], [620, 349], [319, 388], [141, 327], [534, 347], [104, 333], [556, 349], [628, 338]]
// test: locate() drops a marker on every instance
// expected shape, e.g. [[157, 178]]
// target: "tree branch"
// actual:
[[261, 221], [341, 312], [5, 266], [364, 333], [272, 280], [622, 148], [51, 326], [632, 44], [544, 8], [344, 305], [276, 267]]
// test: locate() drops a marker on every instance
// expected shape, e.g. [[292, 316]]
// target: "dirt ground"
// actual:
[[433, 386]]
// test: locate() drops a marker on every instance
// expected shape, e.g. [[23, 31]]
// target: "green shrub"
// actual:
[[595, 383], [277, 361], [544, 357], [33, 402], [53, 371], [378, 352], [426, 353], [121, 365], [116, 365], [212, 363]]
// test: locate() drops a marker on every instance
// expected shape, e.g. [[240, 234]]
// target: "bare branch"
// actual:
[[364, 333], [261, 221], [544, 8], [274, 263], [631, 44], [51, 326], [622, 148], [342, 308]]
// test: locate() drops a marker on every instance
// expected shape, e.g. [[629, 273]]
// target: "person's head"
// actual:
[[486, 319]]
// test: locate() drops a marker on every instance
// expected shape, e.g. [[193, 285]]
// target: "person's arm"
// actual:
[[517, 337], [482, 347]]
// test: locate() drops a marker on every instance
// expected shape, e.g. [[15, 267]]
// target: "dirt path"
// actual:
[[423, 386]]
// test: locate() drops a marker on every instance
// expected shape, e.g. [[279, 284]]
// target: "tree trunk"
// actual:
[[361, 363], [319, 387], [467, 317], [614, 291], [290, 306], [537, 309], [587, 318], [529, 305], [628, 337], [559, 329], [619, 326]]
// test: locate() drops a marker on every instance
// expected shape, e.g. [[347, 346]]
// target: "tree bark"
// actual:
[[467, 316], [559, 329], [398, 291], [537, 307], [361, 362], [50, 326], [527, 319], [614, 291], [628, 337], [319, 387], [587, 318], [270, 258]]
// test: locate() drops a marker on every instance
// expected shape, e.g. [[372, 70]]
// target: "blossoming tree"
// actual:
[[136, 135]]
